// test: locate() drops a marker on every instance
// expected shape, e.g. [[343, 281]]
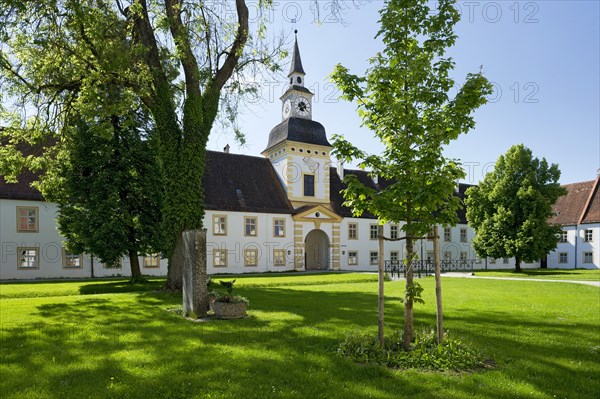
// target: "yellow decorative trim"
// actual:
[[213, 225], [284, 233], [37, 219], [332, 217], [255, 226], [37, 258], [64, 261]]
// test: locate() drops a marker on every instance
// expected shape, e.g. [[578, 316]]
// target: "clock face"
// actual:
[[287, 108], [302, 106]]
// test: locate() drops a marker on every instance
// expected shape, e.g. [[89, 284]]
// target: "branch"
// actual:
[[182, 43], [225, 72]]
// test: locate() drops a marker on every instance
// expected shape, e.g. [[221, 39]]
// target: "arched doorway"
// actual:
[[316, 255]]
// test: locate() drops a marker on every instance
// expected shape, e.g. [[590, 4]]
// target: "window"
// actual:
[[477, 260], [72, 261], [352, 231], [220, 258], [394, 256], [29, 258], [352, 258], [589, 235], [151, 261], [563, 257], [374, 258], [447, 255], [447, 234], [430, 255], [309, 185], [492, 261], [588, 257], [27, 219], [563, 236], [250, 227], [394, 232], [279, 257], [219, 225], [278, 228], [463, 235], [251, 257], [505, 261], [463, 256], [374, 231]]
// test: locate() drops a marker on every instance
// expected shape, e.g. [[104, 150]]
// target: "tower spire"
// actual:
[[296, 66]]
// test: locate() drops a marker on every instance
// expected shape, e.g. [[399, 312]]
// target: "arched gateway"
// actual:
[[316, 250]]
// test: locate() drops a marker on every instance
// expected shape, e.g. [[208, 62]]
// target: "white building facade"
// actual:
[[279, 212]]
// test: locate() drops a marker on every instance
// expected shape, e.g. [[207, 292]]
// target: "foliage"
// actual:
[[228, 285], [510, 208], [414, 292], [404, 99], [109, 193], [425, 353], [179, 59]]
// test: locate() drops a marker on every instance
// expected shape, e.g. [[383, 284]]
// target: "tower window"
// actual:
[[309, 185], [291, 81], [299, 79]]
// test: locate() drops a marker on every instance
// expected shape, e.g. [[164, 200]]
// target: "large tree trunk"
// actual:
[[175, 270], [380, 296], [438, 286], [517, 264], [408, 300], [134, 261]]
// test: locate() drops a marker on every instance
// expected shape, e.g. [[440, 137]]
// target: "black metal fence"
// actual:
[[422, 268]]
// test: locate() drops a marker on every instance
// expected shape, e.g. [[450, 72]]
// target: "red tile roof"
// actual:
[[569, 208]]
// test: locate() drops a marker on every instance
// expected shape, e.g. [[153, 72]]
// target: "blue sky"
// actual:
[[543, 58]]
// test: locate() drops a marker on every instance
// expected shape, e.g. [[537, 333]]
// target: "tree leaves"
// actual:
[[404, 98], [510, 207]]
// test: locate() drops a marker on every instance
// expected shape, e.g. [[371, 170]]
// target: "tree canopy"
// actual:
[[180, 60], [109, 193], [404, 98], [510, 208]]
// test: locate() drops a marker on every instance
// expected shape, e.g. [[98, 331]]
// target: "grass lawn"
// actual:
[[549, 274], [105, 339]]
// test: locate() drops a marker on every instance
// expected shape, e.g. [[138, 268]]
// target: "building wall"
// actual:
[[292, 160], [235, 242], [592, 246], [49, 245], [576, 247]]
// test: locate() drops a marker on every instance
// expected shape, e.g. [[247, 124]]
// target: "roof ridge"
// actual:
[[588, 202]]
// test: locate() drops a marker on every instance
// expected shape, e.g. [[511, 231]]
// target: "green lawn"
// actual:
[[549, 274], [545, 339]]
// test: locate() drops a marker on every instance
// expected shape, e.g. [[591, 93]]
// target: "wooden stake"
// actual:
[[380, 280], [438, 285]]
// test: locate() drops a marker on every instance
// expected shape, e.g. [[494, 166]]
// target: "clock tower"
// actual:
[[300, 153], [298, 146], [297, 99]]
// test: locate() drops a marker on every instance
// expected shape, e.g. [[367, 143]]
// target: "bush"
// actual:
[[424, 354]]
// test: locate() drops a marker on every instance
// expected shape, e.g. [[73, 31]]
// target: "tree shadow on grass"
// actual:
[[131, 347], [122, 286]]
